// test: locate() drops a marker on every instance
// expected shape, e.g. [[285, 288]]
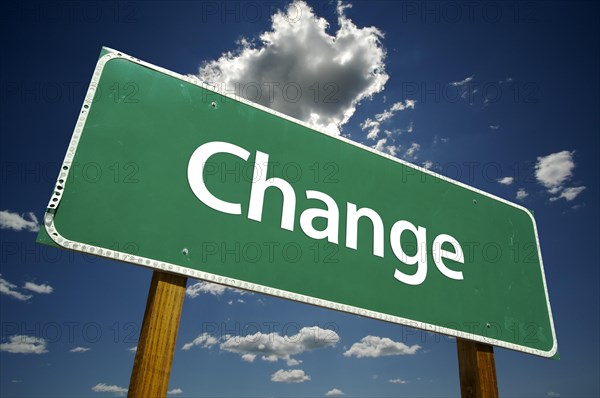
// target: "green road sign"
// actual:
[[164, 172]]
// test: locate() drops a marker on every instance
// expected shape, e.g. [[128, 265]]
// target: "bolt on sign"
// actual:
[[165, 172]]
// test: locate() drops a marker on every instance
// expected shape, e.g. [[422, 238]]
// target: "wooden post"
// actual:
[[477, 370], [156, 346]]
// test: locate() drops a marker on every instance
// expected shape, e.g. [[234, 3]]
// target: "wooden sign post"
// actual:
[[156, 346], [477, 370]]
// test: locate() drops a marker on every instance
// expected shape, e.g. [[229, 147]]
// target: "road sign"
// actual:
[[165, 172]]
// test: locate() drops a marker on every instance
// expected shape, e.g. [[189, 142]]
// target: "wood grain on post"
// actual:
[[477, 370], [156, 346]]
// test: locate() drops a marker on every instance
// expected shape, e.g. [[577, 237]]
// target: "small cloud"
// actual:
[[383, 147], [17, 222], [495, 127], [101, 387], [21, 344], [568, 194], [199, 288], [428, 164], [204, 340], [462, 82], [335, 392], [374, 347], [132, 349], [506, 80], [411, 152], [553, 394], [398, 381], [16, 381], [289, 376], [10, 290], [554, 170], [175, 391], [80, 349], [41, 289], [522, 194], [506, 180]]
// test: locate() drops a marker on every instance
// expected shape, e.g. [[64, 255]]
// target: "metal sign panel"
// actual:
[[165, 172]]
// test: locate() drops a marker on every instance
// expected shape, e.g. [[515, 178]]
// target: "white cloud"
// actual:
[[204, 340], [289, 376], [506, 180], [568, 194], [10, 290], [462, 82], [411, 152], [333, 71], [428, 164], [17, 222], [373, 126], [21, 344], [335, 392], [506, 80], [373, 346], [199, 288], [554, 170], [271, 347], [495, 127], [132, 349], [101, 387], [522, 194], [41, 289], [196, 289], [553, 394], [397, 381], [389, 149], [175, 391], [80, 349]]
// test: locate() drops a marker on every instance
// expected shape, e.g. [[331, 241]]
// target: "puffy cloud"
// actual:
[[569, 194], [374, 347], [301, 70], [10, 289], [428, 164], [381, 146], [80, 349], [335, 392], [17, 222], [506, 180], [397, 381], [554, 170], [271, 347], [204, 340], [175, 391], [41, 289], [21, 344], [289, 376], [101, 387], [522, 194], [411, 152]]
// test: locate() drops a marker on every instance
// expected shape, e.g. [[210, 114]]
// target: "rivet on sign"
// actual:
[[213, 105], [185, 251]]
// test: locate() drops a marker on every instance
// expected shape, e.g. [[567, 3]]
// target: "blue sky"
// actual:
[[501, 96]]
